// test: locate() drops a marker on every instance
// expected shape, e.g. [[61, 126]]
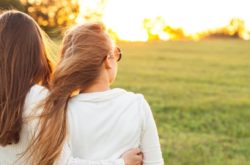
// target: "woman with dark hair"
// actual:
[[24, 76], [23, 63], [102, 122]]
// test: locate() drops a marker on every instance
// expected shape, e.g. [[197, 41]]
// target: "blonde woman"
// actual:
[[101, 123], [24, 76]]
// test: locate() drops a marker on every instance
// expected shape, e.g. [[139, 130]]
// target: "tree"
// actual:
[[236, 27], [52, 15], [11, 4], [157, 29]]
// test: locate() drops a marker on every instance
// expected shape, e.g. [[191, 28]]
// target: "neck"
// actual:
[[98, 86]]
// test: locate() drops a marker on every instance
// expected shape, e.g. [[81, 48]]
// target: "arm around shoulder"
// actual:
[[67, 159]]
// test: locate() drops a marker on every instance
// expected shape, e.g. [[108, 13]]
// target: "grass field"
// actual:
[[200, 96]]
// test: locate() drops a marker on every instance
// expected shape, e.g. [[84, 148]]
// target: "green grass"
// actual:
[[199, 93]]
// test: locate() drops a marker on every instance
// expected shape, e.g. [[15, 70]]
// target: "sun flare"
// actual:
[[140, 20]]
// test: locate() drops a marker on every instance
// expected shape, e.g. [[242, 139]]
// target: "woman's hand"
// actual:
[[133, 157]]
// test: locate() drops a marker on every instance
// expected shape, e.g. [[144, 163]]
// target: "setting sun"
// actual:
[[126, 18]]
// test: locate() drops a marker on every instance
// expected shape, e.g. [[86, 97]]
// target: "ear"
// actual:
[[107, 63]]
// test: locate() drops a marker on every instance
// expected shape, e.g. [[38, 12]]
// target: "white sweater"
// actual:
[[104, 125], [74, 155]]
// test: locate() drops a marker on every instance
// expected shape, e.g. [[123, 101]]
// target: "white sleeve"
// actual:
[[66, 158], [34, 97], [150, 144]]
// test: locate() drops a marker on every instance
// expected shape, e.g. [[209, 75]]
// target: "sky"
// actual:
[[126, 16]]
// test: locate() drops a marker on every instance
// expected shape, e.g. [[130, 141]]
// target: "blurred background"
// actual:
[[190, 59]]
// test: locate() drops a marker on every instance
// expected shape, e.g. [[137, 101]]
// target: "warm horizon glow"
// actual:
[[126, 17]]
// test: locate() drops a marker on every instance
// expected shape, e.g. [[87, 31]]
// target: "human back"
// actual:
[[104, 124], [25, 70]]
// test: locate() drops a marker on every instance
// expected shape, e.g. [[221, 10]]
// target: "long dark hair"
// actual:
[[23, 63]]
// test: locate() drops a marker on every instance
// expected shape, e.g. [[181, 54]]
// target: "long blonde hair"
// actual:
[[83, 51]]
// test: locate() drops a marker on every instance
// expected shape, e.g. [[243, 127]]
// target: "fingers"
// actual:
[[133, 157], [139, 159], [136, 151], [141, 153]]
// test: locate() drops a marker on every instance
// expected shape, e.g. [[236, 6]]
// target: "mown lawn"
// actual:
[[200, 96]]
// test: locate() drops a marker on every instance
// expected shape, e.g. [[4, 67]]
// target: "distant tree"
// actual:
[[236, 27], [157, 29], [93, 13], [11, 4], [174, 33], [52, 15], [149, 25]]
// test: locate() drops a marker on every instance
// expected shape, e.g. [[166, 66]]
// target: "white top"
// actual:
[[9, 154], [104, 125]]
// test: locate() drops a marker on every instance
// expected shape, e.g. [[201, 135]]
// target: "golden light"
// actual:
[[142, 20]]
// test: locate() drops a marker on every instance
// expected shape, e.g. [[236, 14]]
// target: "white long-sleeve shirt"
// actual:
[[92, 145], [104, 125], [10, 154]]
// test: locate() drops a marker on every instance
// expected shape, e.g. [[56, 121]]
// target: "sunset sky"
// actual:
[[126, 16]]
